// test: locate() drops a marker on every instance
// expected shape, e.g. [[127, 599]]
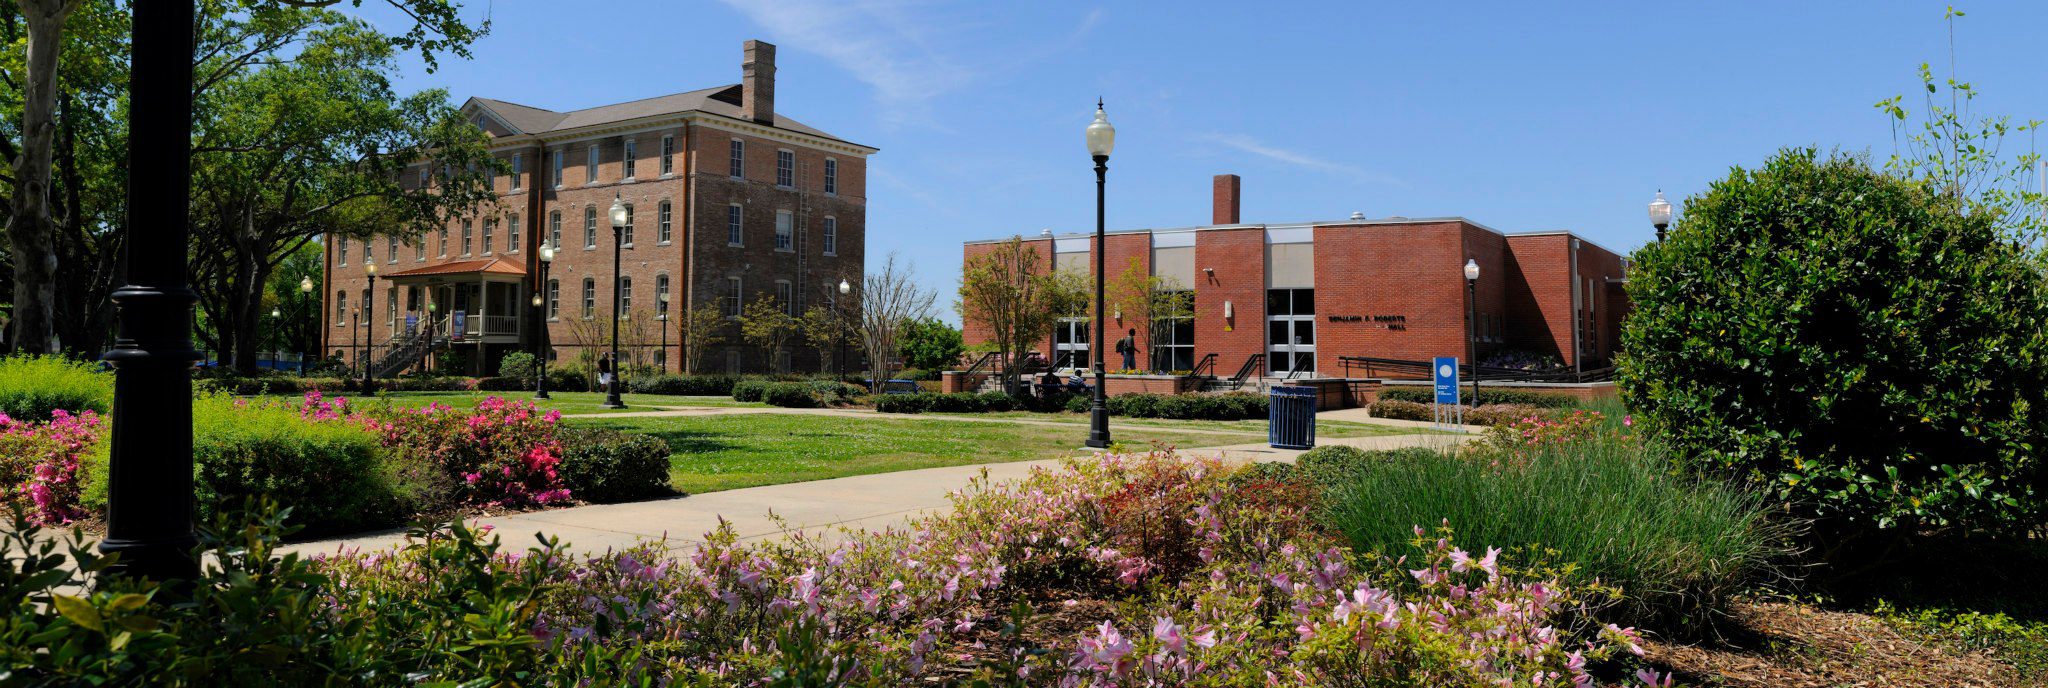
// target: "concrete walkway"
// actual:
[[823, 506]]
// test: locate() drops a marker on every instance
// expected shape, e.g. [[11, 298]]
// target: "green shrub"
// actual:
[[790, 395], [1397, 409], [1336, 464], [1505, 414], [1860, 345], [602, 465], [504, 384], [1080, 403], [1487, 396], [330, 474], [749, 390], [33, 386], [904, 403], [567, 380], [428, 383], [996, 402], [519, 365], [688, 385], [1608, 510], [1231, 406]]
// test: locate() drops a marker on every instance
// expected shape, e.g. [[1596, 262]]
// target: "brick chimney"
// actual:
[[757, 82], [1226, 199]]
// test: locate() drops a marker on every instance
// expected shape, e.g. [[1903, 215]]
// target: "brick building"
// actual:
[[1302, 295], [729, 201]]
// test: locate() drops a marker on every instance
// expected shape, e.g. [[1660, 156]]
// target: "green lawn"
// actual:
[[566, 402], [724, 452], [1324, 428]]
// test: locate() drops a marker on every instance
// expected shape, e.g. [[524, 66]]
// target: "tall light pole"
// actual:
[[661, 319], [1660, 214], [305, 303], [369, 316], [1471, 319], [845, 323], [149, 482], [611, 393], [540, 336], [1101, 139], [276, 334]]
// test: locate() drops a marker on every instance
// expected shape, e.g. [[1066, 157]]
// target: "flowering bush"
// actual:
[[504, 453], [39, 464], [1551, 430]]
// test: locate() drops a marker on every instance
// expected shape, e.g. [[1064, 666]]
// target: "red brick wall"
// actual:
[[1411, 270], [1124, 249], [1541, 319], [1238, 257], [975, 332]]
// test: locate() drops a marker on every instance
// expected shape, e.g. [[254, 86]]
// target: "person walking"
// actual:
[[1128, 346], [605, 370]]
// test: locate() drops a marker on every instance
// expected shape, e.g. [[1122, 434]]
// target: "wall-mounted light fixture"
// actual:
[[1229, 314]]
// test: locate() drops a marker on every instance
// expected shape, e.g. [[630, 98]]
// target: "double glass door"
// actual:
[[1291, 333], [1070, 344]]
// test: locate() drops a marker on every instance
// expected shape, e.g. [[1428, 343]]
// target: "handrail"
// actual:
[[1398, 368], [981, 362], [1251, 363], [1207, 363]]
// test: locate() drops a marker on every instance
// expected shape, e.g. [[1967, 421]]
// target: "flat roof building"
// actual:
[[1293, 300]]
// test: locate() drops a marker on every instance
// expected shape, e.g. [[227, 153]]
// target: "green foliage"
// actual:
[[931, 344], [604, 466], [504, 384], [1336, 464], [791, 395], [519, 365], [1487, 396], [1227, 406], [749, 390], [687, 385], [1397, 409], [1610, 510], [330, 473], [1851, 342], [33, 386]]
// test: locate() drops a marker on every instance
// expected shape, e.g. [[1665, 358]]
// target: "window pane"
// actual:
[[1305, 330], [1276, 332], [1276, 302], [1184, 331], [1304, 302]]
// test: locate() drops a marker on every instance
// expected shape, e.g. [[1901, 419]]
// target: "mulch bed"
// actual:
[[1785, 645]]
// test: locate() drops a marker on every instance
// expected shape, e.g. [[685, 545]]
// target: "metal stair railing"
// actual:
[[1244, 372], [1205, 367]]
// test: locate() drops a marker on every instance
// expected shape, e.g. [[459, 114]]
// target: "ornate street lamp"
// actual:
[[661, 319], [540, 337], [1101, 139], [276, 334], [611, 393], [369, 324], [845, 325], [305, 303], [1660, 214], [1471, 320]]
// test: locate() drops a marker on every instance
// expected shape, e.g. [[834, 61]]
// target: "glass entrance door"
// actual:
[[1291, 333], [1070, 344]]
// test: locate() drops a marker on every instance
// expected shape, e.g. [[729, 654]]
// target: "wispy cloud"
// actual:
[[1253, 146], [877, 41]]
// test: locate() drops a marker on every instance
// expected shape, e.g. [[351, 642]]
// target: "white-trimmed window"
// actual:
[[590, 163], [341, 251], [340, 307], [390, 306], [783, 297], [512, 244], [668, 154], [785, 230], [419, 250], [490, 176], [626, 233], [625, 298], [590, 227], [390, 249], [785, 168], [518, 169], [468, 234], [589, 298], [737, 167], [732, 297], [555, 228], [554, 299], [490, 228], [557, 174], [831, 236], [661, 294], [831, 176], [666, 229], [426, 175], [626, 161], [733, 220], [442, 236]]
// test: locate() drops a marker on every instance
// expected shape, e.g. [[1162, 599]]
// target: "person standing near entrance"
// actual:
[[605, 370], [1128, 346]]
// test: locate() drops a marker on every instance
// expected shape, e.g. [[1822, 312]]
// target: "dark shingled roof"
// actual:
[[722, 100]]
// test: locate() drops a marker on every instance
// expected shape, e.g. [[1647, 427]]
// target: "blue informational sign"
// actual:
[[1446, 373], [459, 323]]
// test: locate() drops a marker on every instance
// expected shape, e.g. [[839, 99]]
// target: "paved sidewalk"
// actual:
[[863, 502]]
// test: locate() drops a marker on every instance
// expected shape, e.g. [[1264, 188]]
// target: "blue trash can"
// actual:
[[1291, 417]]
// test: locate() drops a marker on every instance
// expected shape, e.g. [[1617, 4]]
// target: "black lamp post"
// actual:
[[540, 336], [618, 213], [276, 336], [305, 304], [369, 324], [661, 319], [1101, 138], [845, 325], [149, 486], [1471, 322], [1660, 214]]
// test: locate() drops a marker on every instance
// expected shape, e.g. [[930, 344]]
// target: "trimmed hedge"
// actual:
[[957, 402], [331, 474], [1493, 414], [688, 385], [603, 465], [33, 386], [749, 390], [1487, 397], [1229, 406]]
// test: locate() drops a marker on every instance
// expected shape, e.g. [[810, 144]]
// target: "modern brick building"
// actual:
[[729, 201], [1291, 299]]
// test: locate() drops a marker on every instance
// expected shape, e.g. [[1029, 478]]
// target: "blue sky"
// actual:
[[1521, 116]]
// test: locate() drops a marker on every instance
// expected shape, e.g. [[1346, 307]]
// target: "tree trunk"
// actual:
[[252, 273], [29, 228]]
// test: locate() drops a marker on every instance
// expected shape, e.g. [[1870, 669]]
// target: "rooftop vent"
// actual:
[[1357, 215]]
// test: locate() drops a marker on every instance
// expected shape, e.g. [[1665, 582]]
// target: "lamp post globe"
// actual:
[[845, 288], [1660, 214], [618, 214], [1101, 140], [1472, 322]]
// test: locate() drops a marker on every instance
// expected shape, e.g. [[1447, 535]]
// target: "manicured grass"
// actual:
[[724, 452], [569, 403], [1256, 426]]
